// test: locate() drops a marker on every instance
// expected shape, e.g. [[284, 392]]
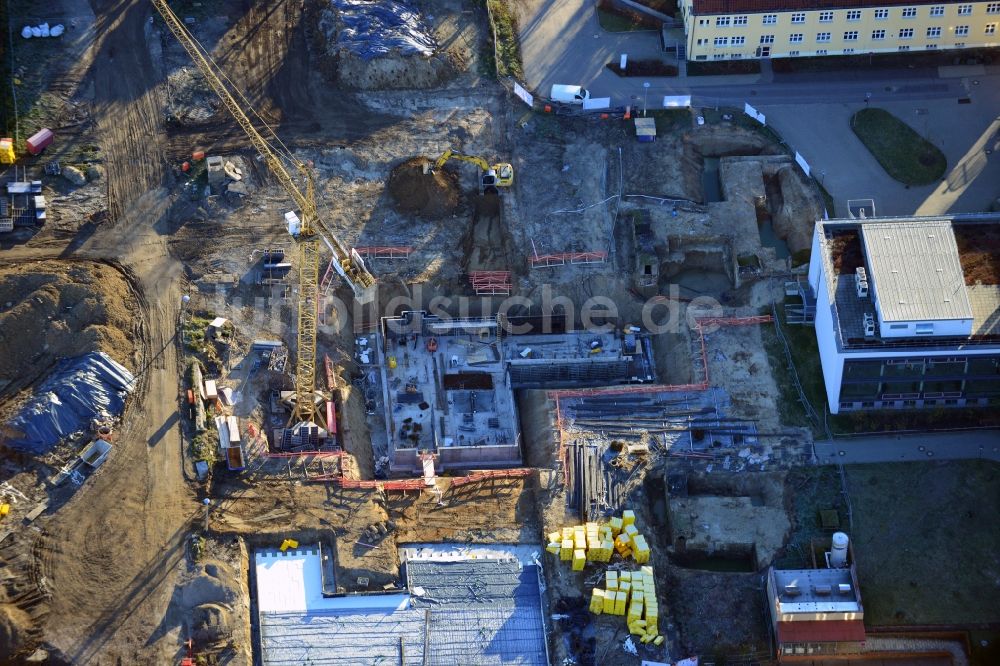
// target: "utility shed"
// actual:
[[918, 280]]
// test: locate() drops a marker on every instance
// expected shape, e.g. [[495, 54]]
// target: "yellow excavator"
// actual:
[[493, 176]]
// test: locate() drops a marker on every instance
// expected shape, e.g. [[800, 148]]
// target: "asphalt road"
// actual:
[[965, 445]]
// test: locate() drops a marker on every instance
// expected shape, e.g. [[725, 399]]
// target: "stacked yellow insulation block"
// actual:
[[632, 594], [596, 542]]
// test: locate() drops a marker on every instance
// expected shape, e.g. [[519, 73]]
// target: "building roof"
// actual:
[[482, 611], [821, 631], [712, 7], [816, 591], [916, 271]]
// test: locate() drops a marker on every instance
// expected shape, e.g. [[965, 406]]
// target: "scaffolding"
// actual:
[[561, 259], [490, 283]]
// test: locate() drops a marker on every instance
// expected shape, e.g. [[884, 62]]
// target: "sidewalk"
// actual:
[[965, 445]]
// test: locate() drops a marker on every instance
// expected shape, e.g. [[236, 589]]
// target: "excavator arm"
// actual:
[[501, 175]]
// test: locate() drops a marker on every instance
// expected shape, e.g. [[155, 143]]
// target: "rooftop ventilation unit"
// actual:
[[844, 588], [861, 282], [792, 590], [869, 322], [822, 590]]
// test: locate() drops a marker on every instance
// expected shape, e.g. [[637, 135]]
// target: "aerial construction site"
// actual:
[[318, 338]]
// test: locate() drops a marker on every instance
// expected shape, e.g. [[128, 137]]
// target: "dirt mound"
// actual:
[[15, 632], [801, 207], [52, 310], [431, 196]]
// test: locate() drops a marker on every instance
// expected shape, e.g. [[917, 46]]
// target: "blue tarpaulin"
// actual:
[[82, 388], [375, 28]]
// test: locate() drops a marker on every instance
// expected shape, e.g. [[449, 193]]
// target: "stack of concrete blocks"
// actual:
[[632, 594]]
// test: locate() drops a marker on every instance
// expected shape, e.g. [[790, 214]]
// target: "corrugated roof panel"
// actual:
[[916, 271]]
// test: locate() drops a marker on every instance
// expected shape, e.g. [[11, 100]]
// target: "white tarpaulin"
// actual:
[[524, 95], [802, 162], [677, 101]]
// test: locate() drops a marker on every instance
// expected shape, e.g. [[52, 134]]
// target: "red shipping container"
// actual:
[[39, 140]]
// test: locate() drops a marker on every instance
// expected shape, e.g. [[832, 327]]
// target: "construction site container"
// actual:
[[597, 601], [38, 141], [234, 430], [96, 453], [235, 459], [211, 392]]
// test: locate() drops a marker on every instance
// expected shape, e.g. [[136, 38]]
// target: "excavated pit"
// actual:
[[431, 196]]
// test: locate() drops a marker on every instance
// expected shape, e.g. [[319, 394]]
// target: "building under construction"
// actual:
[[448, 384]]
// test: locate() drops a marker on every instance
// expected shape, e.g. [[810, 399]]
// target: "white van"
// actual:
[[568, 94]]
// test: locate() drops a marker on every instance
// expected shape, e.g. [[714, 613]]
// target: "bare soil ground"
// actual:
[[110, 574], [55, 310]]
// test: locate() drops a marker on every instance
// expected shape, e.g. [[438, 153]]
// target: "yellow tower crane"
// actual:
[[311, 228]]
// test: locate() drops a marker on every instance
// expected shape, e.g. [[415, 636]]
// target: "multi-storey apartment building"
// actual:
[[732, 29]]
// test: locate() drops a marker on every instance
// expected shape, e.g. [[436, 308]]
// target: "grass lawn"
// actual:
[[508, 47], [614, 19], [924, 537], [805, 355], [904, 154]]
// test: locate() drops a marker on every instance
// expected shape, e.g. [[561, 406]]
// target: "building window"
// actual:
[[961, 30], [825, 17], [822, 36], [767, 39], [930, 46], [848, 51], [854, 15], [721, 21], [792, 54], [702, 21], [721, 41], [904, 47], [991, 28], [909, 12], [906, 33], [701, 57], [993, 8], [881, 14], [897, 327], [799, 17], [964, 10], [937, 11], [959, 45], [795, 37], [851, 36], [878, 34], [739, 41], [821, 52], [933, 33], [770, 19], [735, 56], [739, 20], [702, 41]]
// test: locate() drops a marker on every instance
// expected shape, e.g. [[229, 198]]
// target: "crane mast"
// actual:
[[346, 262]]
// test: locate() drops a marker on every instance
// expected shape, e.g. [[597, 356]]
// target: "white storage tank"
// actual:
[[838, 552]]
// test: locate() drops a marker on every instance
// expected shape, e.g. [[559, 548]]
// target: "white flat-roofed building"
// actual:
[[924, 330]]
